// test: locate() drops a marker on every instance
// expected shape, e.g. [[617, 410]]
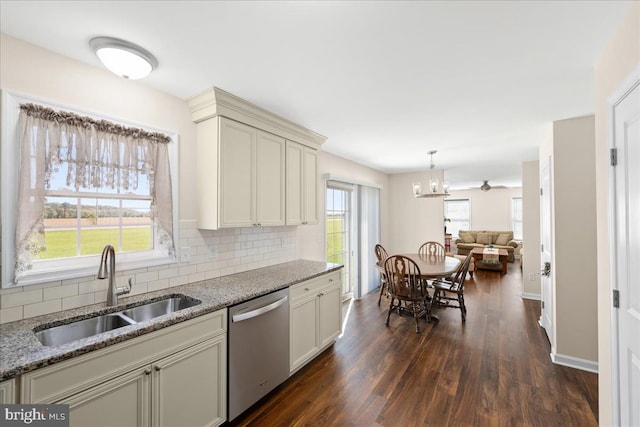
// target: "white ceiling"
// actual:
[[385, 81]]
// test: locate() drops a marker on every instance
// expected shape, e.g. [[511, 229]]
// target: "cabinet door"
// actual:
[[237, 179], [7, 392], [123, 401], [295, 188], [270, 180], [310, 182], [189, 387], [304, 331], [330, 314]]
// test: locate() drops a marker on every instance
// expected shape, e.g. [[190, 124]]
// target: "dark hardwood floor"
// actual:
[[492, 370]]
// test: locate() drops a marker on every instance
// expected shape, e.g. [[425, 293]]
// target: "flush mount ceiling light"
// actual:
[[123, 58], [436, 189]]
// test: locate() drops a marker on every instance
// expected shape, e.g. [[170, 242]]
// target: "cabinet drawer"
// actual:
[[311, 287], [63, 379]]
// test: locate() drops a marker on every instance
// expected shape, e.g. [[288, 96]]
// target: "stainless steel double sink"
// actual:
[[58, 335]]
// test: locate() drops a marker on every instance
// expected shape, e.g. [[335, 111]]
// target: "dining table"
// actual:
[[434, 266]]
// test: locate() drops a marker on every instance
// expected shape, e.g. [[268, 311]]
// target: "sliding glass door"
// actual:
[[339, 231]]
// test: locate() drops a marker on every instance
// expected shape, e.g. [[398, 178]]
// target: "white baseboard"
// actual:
[[527, 295], [574, 362]]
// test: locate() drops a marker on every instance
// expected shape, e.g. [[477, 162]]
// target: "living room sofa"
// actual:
[[471, 239]]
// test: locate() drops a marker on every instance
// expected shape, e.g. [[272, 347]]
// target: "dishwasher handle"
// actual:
[[259, 311]]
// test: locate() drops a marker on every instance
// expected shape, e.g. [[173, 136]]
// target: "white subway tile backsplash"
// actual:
[[78, 301], [30, 296], [33, 310], [157, 285], [214, 253], [93, 286], [11, 314], [60, 291]]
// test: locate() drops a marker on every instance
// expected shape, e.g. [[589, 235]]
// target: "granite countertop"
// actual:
[[22, 352]]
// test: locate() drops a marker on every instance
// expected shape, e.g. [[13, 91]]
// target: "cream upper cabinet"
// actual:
[[302, 184], [310, 183], [270, 179], [243, 178], [251, 176], [237, 164], [251, 166]]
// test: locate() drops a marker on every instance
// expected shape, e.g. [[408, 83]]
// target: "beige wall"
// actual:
[[312, 237], [574, 244], [412, 221], [531, 229], [490, 210], [619, 58]]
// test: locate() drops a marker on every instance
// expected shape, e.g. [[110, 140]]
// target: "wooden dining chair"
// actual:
[[407, 290], [381, 256], [449, 292], [431, 248]]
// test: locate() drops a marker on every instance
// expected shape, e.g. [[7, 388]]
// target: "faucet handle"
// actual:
[[123, 290]]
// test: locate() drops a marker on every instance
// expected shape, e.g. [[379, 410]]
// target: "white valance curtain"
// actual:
[[98, 154]]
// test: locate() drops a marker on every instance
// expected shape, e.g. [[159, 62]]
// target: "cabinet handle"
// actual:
[[147, 371], [330, 280], [306, 289], [157, 368], [320, 294]]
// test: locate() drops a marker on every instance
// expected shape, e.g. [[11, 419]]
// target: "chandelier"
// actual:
[[435, 188]]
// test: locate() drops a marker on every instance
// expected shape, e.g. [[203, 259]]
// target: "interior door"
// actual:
[[546, 317], [626, 250]]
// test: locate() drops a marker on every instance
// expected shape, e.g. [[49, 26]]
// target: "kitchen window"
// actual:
[[82, 182]]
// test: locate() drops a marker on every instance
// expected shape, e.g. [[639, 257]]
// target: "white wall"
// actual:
[[620, 56], [531, 229]]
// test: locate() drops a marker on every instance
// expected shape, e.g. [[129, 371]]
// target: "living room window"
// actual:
[[82, 182], [459, 212], [516, 217]]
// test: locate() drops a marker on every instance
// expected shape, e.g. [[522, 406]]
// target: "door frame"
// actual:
[[351, 274], [547, 317], [623, 90]]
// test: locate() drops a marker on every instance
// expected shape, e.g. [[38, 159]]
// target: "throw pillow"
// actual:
[[467, 237], [484, 238], [502, 239]]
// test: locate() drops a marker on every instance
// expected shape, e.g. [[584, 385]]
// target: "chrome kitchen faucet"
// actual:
[[109, 254]]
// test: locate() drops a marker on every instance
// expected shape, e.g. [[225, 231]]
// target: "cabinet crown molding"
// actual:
[[216, 102]]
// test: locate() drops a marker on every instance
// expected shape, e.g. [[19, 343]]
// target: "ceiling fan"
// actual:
[[486, 186]]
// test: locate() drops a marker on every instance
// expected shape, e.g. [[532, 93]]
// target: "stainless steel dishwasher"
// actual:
[[258, 349]]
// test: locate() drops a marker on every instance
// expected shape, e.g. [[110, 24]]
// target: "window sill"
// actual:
[[40, 276]]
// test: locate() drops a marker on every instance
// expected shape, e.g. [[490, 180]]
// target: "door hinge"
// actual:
[[541, 191], [613, 154], [616, 298], [541, 248], [543, 305]]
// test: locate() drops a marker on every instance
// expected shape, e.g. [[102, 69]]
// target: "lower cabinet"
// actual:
[[315, 317], [175, 377], [7, 392]]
